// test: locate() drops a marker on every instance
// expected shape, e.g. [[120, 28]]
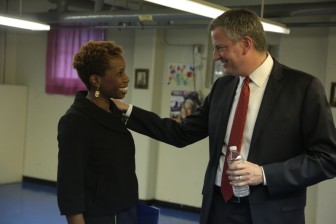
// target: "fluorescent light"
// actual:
[[24, 24], [202, 8], [274, 27], [210, 10]]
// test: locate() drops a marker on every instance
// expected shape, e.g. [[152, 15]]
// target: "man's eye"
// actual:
[[220, 49]]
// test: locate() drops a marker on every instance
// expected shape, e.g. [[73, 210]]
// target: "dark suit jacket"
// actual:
[[294, 139], [96, 161]]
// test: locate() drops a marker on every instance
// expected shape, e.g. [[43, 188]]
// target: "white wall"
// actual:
[[331, 65], [179, 173], [145, 57], [12, 132], [305, 49], [325, 203]]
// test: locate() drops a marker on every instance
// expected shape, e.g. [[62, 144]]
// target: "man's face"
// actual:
[[228, 52]]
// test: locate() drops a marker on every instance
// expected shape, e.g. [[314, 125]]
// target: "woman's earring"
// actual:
[[97, 93]]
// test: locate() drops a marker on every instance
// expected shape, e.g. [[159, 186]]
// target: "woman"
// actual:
[[96, 181]]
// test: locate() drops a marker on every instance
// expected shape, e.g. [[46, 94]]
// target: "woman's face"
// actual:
[[115, 81]]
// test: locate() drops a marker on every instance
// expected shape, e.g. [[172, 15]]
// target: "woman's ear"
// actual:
[[95, 80]]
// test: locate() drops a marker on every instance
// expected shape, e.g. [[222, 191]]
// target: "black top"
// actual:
[[96, 161]]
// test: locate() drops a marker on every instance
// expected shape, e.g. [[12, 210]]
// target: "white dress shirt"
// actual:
[[259, 79]]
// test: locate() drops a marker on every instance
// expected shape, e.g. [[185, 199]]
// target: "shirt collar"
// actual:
[[261, 74]]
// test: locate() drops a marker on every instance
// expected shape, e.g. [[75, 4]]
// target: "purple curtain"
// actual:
[[61, 77]]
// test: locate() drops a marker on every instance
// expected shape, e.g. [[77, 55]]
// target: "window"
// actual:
[[61, 77]]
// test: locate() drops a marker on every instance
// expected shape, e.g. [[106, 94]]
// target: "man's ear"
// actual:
[[246, 44]]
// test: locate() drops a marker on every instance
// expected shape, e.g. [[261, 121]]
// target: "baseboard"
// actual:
[[176, 206], [39, 181], [152, 202]]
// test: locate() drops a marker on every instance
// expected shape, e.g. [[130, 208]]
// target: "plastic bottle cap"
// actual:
[[233, 148]]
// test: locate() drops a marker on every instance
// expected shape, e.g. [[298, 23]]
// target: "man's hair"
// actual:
[[238, 23]]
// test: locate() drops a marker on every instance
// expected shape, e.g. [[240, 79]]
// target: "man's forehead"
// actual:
[[218, 31], [218, 35]]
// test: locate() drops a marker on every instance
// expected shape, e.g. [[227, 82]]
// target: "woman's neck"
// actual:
[[100, 101]]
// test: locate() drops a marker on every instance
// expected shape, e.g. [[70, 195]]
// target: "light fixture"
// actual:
[[23, 24], [211, 10], [275, 27]]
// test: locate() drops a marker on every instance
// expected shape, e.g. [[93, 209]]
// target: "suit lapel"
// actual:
[[225, 108], [272, 91]]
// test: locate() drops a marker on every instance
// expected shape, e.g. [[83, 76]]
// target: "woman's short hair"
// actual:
[[93, 59]]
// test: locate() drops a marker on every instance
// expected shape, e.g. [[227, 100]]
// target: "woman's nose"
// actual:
[[126, 79]]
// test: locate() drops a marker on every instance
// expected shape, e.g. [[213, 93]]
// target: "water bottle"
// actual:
[[243, 190]]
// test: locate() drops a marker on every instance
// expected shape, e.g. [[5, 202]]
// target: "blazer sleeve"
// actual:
[[318, 139], [193, 128]]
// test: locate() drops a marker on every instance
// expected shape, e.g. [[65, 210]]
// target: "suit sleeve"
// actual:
[[318, 137], [192, 129], [72, 159]]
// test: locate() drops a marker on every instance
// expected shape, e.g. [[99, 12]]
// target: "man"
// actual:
[[289, 137]]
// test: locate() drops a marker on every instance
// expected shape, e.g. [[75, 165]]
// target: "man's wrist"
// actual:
[[263, 176], [129, 110]]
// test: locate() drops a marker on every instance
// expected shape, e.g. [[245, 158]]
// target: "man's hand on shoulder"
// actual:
[[121, 105]]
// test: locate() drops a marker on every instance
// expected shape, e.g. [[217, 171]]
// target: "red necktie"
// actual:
[[236, 135]]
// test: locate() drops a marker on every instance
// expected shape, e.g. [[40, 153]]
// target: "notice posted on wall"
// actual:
[[183, 103]]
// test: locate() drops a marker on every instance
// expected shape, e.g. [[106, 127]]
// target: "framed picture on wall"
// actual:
[[141, 78], [333, 94]]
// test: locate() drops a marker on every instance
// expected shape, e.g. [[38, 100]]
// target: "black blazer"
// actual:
[[294, 139], [96, 161]]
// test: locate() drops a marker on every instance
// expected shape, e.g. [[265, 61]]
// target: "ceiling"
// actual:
[[138, 13]]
